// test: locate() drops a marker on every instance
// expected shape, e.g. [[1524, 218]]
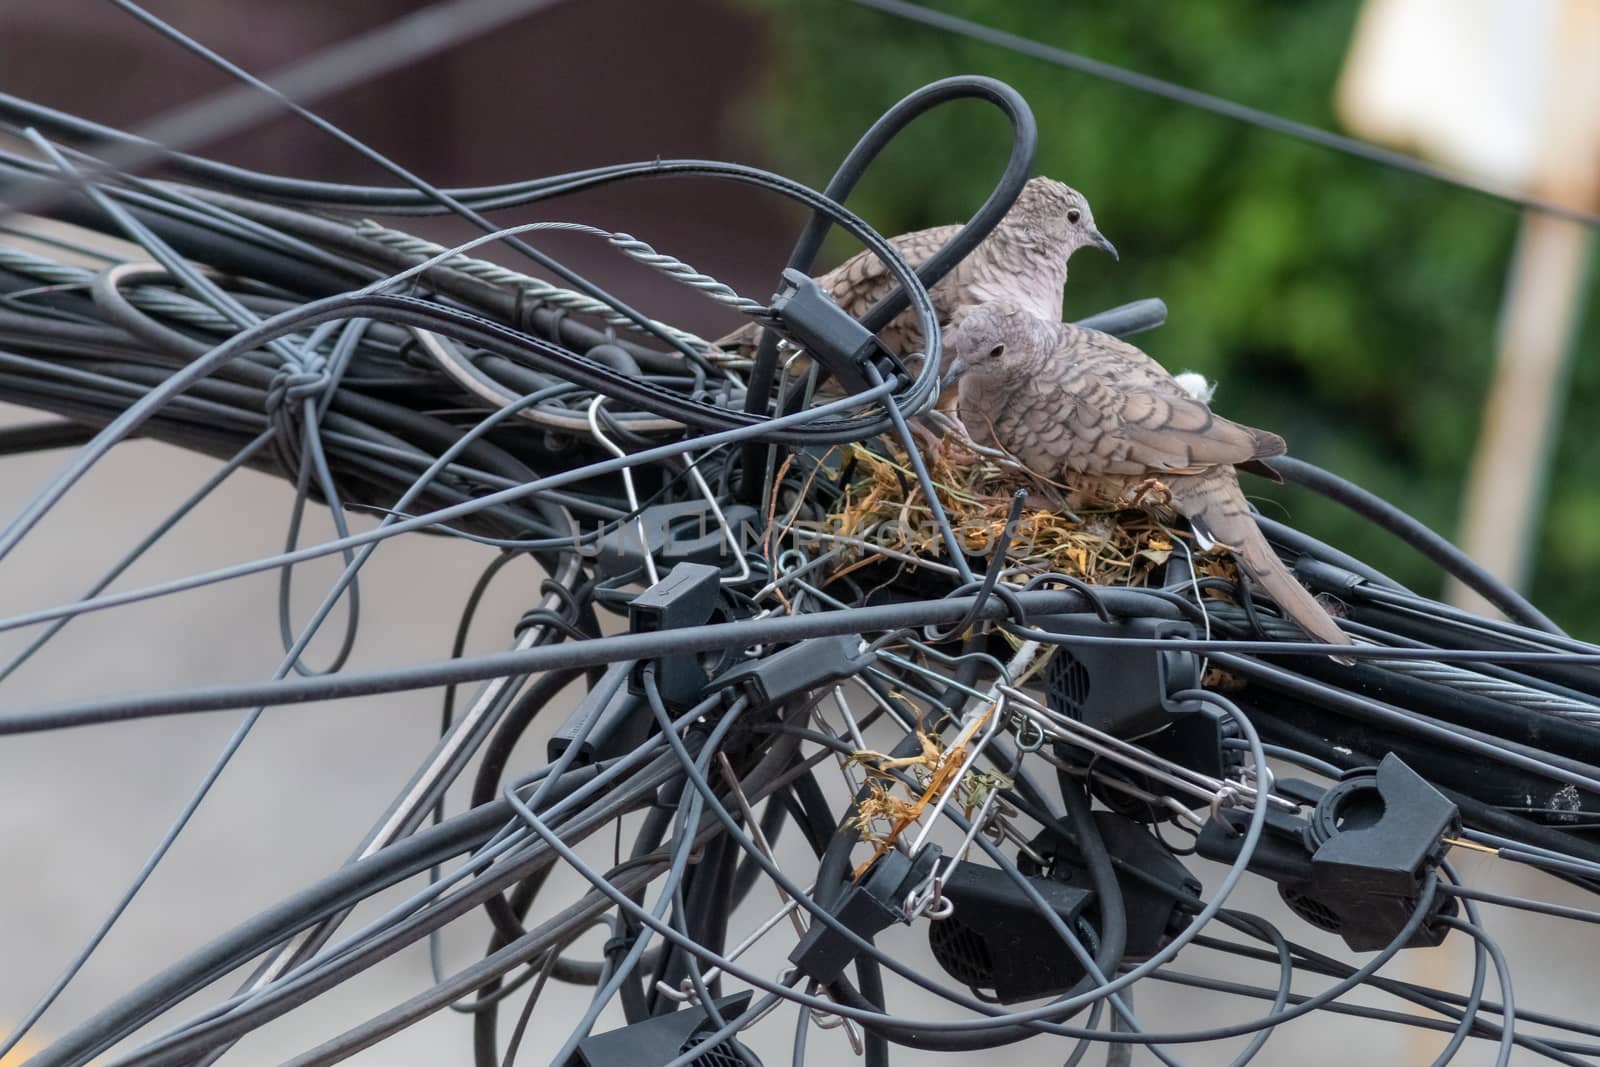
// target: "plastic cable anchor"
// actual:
[[999, 941], [1355, 867], [871, 905], [685, 596], [655, 1041], [610, 720], [1123, 691], [800, 668], [808, 318]]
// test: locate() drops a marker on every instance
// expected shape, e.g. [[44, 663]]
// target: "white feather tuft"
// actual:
[[1194, 383]]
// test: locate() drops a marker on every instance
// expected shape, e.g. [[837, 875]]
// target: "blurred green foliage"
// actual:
[[1348, 306]]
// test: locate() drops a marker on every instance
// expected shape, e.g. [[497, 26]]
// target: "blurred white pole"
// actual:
[[1509, 92], [1523, 409], [1543, 310]]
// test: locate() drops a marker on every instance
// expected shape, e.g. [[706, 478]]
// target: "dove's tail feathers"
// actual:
[[1267, 444], [1215, 506]]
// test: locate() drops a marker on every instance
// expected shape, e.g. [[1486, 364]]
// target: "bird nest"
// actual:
[[883, 517]]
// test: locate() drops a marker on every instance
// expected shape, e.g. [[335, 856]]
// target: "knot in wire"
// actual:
[[293, 383]]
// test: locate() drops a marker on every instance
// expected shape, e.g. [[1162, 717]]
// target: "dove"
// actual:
[[1082, 408], [1024, 259]]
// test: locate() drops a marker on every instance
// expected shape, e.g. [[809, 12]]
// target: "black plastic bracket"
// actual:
[[996, 938], [812, 321], [1123, 691], [655, 1041], [610, 720], [1356, 865], [800, 668], [874, 903], [685, 596], [1327, 577], [1127, 692]]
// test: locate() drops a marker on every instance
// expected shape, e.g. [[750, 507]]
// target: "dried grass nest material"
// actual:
[[883, 504]]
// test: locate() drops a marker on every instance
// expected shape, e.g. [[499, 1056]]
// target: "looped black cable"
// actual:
[[1239, 591], [1024, 144], [546, 617], [1447, 556]]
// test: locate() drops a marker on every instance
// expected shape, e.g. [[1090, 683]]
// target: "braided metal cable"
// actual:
[[1458, 678], [154, 299], [555, 296], [678, 270]]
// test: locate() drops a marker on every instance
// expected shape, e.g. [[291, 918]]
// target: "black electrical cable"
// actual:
[[1110, 905], [1303, 544], [1474, 1003], [43, 436], [1378, 635], [195, 241], [1450, 558], [1547, 764], [276, 1000], [711, 636], [1435, 1000], [1415, 623], [345, 887], [821, 828], [1019, 162], [1259, 927], [21, 112], [1577, 742], [1469, 622], [492, 765]]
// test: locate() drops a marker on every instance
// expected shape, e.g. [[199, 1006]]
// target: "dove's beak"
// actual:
[[1100, 240], [952, 374]]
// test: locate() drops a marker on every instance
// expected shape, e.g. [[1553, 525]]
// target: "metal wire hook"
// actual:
[[627, 486]]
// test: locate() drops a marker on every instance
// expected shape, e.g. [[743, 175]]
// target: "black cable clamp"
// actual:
[[996, 939], [800, 668], [1355, 867], [610, 721], [809, 319], [663, 1038], [1125, 691], [685, 596], [871, 905]]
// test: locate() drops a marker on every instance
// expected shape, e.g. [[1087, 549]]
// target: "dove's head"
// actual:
[[997, 340], [1060, 214]]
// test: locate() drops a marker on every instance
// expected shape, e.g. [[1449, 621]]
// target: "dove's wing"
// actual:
[[864, 279], [1102, 407], [1083, 407]]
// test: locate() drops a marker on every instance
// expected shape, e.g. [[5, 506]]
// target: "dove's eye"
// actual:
[[1074, 215], [997, 351]]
